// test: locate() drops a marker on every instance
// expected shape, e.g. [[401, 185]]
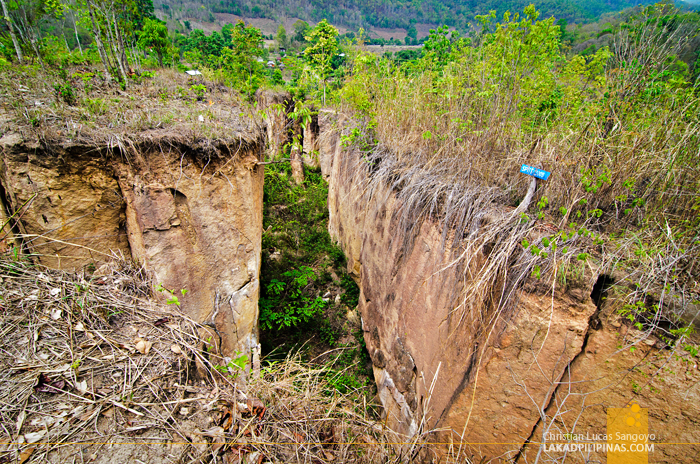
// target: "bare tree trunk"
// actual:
[[295, 155], [30, 33], [63, 33], [297, 164], [6, 15], [122, 49], [135, 59], [113, 42], [98, 41], [21, 33], [77, 39], [32, 40]]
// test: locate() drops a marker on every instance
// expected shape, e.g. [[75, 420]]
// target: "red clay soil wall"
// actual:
[[491, 381]]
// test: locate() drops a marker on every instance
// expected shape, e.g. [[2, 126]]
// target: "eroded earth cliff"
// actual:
[[492, 382], [502, 382], [188, 210]]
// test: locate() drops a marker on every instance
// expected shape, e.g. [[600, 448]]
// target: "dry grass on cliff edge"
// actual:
[[169, 103], [622, 200]]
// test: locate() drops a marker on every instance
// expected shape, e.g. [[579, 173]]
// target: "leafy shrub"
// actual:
[[65, 93], [288, 303], [198, 90], [276, 78]]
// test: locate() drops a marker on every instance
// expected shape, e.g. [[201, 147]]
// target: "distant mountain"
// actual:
[[389, 13]]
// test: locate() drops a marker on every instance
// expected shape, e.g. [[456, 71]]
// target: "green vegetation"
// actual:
[[296, 307], [233, 55], [170, 294], [388, 14], [301, 265], [155, 37], [610, 108], [617, 127], [234, 367], [65, 93], [321, 50]]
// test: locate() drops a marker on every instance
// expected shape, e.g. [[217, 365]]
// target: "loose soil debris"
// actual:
[[93, 369]]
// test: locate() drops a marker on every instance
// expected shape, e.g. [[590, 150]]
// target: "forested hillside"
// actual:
[[389, 13]]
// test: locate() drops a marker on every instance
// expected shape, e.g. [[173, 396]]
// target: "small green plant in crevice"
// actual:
[[288, 303], [65, 93], [172, 299], [234, 367]]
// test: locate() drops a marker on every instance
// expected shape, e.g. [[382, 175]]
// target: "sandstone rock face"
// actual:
[[310, 133], [609, 373], [276, 105], [421, 350], [197, 224], [192, 217], [68, 200], [487, 378]]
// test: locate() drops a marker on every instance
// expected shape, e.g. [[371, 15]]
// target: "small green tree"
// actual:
[[281, 36], [412, 34], [301, 28], [240, 59], [323, 47], [154, 36], [438, 47]]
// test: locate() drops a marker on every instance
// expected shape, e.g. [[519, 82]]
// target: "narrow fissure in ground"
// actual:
[[308, 301]]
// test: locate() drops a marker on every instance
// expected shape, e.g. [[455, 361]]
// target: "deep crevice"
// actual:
[[14, 227], [600, 290], [598, 295], [466, 380]]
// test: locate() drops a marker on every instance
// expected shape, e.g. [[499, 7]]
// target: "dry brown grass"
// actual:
[[90, 359], [165, 103], [93, 368], [451, 143]]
